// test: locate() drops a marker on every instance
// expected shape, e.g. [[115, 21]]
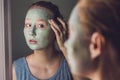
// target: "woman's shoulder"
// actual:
[[20, 64], [19, 61], [21, 70]]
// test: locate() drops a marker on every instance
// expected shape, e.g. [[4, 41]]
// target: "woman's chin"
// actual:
[[35, 47]]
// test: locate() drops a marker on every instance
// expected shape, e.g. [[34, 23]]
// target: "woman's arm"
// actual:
[[61, 32]]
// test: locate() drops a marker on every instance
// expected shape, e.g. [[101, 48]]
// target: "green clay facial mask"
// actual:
[[37, 31], [77, 52]]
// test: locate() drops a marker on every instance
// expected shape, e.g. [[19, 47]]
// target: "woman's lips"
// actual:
[[32, 41]]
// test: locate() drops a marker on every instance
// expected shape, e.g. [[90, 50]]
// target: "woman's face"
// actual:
[[76, 49], [37, 31]]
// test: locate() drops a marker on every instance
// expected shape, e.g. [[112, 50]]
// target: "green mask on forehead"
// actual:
[[37, 31], [39, 13]]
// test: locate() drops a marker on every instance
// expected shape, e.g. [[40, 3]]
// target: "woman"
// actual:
[[45, 63], [94, 40]]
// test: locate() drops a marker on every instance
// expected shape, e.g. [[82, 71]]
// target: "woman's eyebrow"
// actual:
[[40, 20]]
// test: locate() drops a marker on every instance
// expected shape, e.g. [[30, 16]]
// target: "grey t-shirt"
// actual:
[[23, 72]]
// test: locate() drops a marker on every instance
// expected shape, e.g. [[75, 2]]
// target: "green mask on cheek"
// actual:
[[77, 52], [37, 31]]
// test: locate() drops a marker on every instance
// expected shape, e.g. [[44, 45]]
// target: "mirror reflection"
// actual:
[[36, 27]]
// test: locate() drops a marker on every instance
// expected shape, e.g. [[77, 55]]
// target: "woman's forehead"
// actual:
[[42, 8], [38, 13]]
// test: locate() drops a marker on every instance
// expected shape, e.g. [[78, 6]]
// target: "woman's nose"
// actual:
[[33, 31]]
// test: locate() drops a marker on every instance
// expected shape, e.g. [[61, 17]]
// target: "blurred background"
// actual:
[[19, 9]]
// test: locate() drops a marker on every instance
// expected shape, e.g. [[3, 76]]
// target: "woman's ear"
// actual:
[[96, 45]]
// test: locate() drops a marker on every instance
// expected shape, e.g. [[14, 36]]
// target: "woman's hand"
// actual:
[[61, 32]]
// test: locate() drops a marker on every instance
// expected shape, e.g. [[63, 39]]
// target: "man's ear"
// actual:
[[96, 45]]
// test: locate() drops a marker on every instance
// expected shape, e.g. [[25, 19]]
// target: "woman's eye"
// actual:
[[40, 26], [27, 25]]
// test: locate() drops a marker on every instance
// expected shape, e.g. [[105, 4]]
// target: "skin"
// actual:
[[76, 49], [37, 28]]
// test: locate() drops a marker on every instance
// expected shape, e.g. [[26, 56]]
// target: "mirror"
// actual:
[[19, 7], [15, 46]]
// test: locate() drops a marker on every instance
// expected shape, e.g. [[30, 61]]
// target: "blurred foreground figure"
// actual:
[[94, 40]]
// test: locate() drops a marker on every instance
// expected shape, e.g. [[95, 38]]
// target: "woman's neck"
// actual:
[[94, 74], [44, 56], [89, 75]]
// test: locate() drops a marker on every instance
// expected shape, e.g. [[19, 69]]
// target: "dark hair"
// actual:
[[103, 16], [50, 6]]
